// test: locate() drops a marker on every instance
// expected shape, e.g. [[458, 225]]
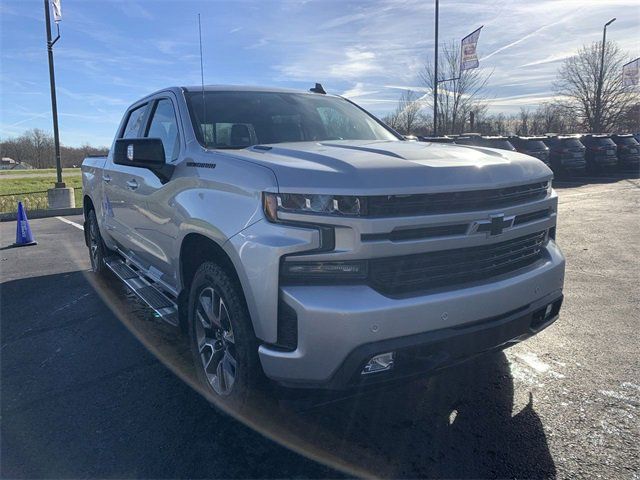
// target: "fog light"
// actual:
[[379, 363], [547, 312]]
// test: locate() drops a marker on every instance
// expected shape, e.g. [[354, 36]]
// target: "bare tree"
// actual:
[[407, 117], [579, 81], [35, 147], [630, 121], [458, 97]]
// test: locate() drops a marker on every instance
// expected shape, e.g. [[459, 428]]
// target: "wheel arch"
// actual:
[[195, 249], [87, 206]]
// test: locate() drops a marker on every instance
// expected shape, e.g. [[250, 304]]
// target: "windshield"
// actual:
[[534, 145], [626, 141], [242, 119], [571, 143], [604, 142], [502, 144]]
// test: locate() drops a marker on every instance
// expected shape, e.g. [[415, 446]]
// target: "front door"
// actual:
[[150, 221]]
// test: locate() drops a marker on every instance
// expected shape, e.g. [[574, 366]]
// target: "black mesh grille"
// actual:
[[411, 273], [430, 203]]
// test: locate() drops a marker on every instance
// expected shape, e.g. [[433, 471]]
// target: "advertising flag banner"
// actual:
[[631, 73], [469, 55], [57, 10]]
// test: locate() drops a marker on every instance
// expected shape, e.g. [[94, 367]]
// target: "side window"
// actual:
[[132, 129], [165, 127]]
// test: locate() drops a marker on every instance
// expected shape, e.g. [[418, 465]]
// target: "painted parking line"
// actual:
[[77, 225]]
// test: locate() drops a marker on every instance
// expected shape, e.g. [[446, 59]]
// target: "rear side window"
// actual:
[[134, 123], [165, 127]]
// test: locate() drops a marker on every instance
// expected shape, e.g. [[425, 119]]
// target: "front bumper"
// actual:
[[340, 325], [572, 163], [629, 159], [603, 160], [431, 351]]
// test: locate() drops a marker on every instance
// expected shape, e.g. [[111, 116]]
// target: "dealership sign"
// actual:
[[631, 73], [469, 54]]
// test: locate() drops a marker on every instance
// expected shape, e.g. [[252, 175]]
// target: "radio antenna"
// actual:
[[204, 108]]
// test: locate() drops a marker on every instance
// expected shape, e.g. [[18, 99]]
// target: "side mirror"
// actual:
[[139, 152]]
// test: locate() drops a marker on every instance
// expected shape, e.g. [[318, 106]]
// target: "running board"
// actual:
[[159, 302]]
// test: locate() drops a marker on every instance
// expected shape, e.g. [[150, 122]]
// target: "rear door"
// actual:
[[150, 216]]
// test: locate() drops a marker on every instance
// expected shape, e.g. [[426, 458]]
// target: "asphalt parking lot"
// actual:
[[94, 386]]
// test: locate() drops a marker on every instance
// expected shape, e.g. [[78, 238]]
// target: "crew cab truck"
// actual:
[[293, 235]]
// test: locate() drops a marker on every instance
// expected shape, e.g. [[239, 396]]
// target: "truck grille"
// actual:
[[412, 273], [431, 203]]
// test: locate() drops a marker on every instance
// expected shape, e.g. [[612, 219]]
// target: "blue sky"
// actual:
[[114, 52]]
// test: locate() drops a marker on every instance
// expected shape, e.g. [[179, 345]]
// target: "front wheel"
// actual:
[[223, 344], [97, 248]]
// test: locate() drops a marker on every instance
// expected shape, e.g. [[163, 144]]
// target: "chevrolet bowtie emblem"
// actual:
[[497, 225], [494, 226]]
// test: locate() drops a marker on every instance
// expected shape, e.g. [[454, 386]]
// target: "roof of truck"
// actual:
[[225, 88], [242, 88]]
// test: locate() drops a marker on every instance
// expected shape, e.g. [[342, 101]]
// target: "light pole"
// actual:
[[600, 77], [435, 77], [54, 103]]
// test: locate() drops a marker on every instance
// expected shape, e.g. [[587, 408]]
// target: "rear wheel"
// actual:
[[97, 248], [223, 344]]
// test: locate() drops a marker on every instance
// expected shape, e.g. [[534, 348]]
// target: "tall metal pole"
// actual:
[[435, 76], [54, 103], [600, 77]]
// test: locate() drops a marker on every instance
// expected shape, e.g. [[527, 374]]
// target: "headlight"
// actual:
[[341, 205], [549, 187]]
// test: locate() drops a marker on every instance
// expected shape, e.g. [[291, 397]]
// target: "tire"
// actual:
[[97, 248], [221, 336]]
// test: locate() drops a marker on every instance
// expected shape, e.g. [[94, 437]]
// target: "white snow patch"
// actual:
[[532, 360]]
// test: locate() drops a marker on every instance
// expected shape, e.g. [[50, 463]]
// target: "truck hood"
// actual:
[[392, 167]]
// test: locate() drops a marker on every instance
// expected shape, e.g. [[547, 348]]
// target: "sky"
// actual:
[[112, 53]]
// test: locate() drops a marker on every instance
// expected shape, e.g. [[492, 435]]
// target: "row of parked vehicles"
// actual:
[[565, 154]]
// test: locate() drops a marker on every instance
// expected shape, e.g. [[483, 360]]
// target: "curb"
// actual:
[[52, 212]]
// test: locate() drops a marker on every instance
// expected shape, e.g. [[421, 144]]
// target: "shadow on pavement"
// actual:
[[81, 397], [458, 424]]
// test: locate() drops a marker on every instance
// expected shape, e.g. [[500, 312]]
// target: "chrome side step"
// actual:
[[161, 303]]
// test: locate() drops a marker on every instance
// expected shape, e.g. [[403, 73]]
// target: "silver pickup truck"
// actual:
[[293, 235]]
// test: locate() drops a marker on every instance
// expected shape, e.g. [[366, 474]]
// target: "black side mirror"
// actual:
[[143, 153], [139, 152]]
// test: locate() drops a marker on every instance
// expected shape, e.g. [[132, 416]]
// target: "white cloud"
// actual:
[[358, 90]]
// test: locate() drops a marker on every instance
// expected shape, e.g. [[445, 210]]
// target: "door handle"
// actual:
[[106, 178], [132, 184]]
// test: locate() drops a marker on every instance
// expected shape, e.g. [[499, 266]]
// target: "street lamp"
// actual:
[[601, 79]]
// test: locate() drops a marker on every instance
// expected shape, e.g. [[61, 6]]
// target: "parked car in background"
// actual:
[[627, 149], [467, 139], [600, 151], [435, 139], [566, 154], [501, 143], [533, 146]]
